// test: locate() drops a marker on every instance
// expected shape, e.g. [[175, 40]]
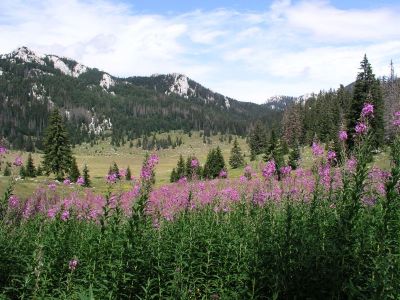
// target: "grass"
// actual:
[[101, 156]]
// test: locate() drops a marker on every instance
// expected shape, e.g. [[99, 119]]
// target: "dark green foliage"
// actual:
[[22, 172], [86, 176], [115, 170], [128, 174], [236, 159], [180, 168], [214, 164], [39, 170], [294, 156], [74, 172], [57, 152], [7, 169], [367, 89], [30, 170], [257, 140], [173, 177]]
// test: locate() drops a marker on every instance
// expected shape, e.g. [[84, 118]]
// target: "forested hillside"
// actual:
[[96, 104]]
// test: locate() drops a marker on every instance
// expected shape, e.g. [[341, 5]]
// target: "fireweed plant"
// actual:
[[331, 232]]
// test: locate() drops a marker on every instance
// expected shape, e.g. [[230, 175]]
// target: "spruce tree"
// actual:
[[367, 89], [86, 176], [22, 172], [173, 177], [128, 174], [74, 172], [7, 170], [180, 168], [57, 148], [294, 156], [39, 170], [236, 159], [30, 170], [115, 170], [214, 164], [257, 140]]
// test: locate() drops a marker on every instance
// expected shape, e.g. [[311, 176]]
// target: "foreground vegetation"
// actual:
[[328, 232]]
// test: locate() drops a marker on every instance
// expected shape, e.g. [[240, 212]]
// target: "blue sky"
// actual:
[[181, 6], [248, 50]]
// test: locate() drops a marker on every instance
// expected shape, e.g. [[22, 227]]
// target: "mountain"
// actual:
[[96, 104]]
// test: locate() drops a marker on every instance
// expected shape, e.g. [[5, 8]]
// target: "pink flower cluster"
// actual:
[[361, 128], [269, 169], [343, 135], [147, 169], [317, 149], [367, 110], [396, 122]]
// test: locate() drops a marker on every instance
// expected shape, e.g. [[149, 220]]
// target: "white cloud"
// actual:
[[290, 48]]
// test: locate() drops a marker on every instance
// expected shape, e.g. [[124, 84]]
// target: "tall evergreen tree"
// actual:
[[236, 159], [367, 89], [214, 164], [57, 148], [115, 170], [294, 156], [180, 168], [74, 172], [128, 174], [257, 140], [86, 176], [30, 170]]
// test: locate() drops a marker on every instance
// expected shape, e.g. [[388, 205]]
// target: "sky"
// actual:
[[247, 50]]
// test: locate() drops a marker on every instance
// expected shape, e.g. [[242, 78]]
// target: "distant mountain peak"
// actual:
[[180, 85], [27, 55]]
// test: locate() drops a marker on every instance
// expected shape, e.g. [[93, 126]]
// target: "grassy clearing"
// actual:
[[101, 156]]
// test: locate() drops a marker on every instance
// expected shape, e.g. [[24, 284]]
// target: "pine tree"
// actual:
[[7, 170], [39, 170], [236, 159], [22, 172], [86, 176], [57, 148], [367, 89], [173, 177], [180, 168], [74, 171], [115, 170], [214, 164], [30, 170], [294, 156], [257, 140], [272, 144], [128, 174]]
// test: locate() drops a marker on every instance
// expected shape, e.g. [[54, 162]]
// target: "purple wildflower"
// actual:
[[317, 149], [361, 128], [65, 215], [269, 169], [111, 178], [343, 135], [286, 170], [223, 174], [194, 163], [67, 181], [18, 161], [52, 186], [367, 110], [73, 263], [331, 155], [3, 150], [13, 201], [80, 181]]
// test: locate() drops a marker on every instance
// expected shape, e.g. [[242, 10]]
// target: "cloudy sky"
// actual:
[[248, 50]]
